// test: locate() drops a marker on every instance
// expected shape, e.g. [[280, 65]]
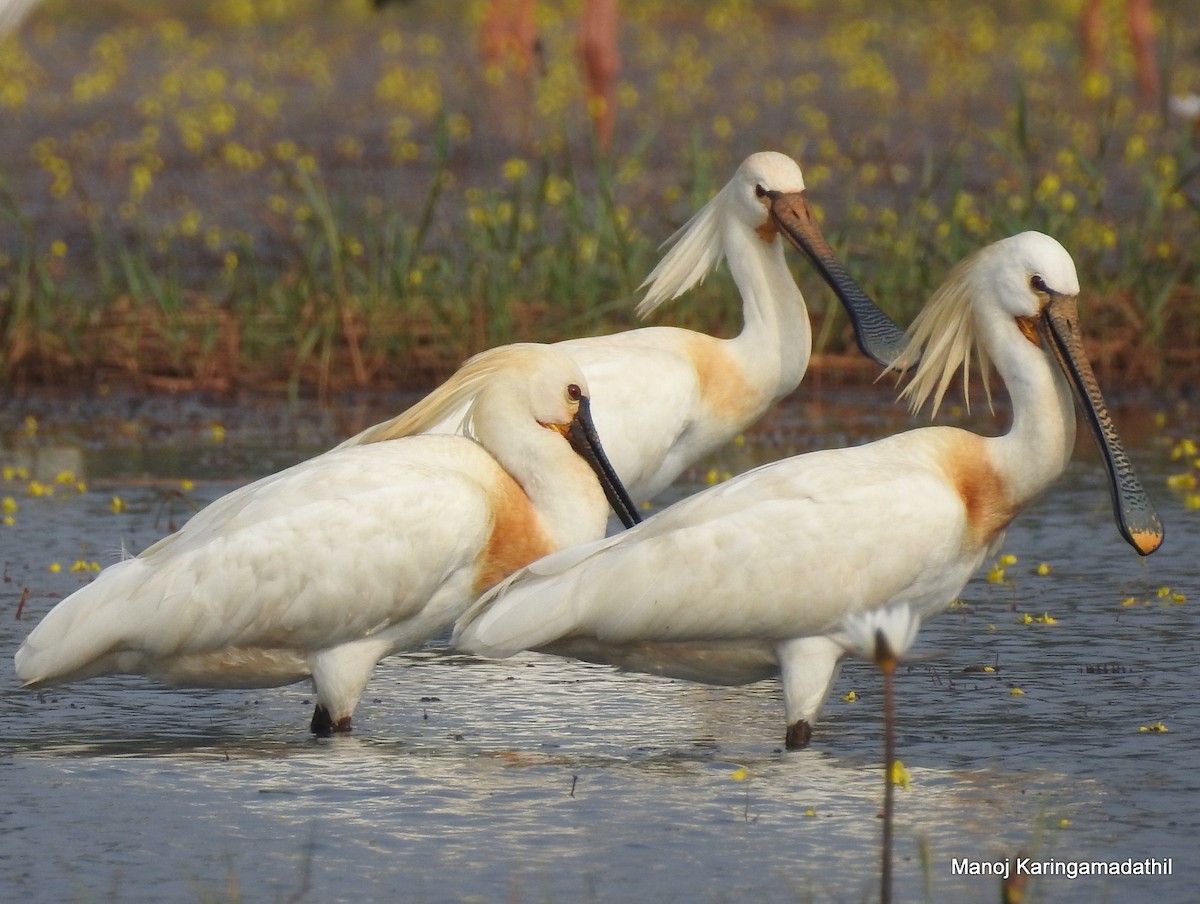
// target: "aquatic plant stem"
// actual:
[[887, 664]]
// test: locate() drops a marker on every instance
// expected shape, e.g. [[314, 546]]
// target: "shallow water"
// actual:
[[538, 779]]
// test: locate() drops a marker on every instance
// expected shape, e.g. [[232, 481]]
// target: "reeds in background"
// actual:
[[319, 195]]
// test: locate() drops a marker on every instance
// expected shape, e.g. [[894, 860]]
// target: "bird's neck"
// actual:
[[776, 341], [563, 490], [1038, 446]]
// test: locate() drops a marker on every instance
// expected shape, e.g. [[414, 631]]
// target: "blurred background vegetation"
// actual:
[[320, 194]]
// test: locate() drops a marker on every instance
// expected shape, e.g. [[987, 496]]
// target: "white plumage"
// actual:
[[663, 396], [330, 565], [756, 576]]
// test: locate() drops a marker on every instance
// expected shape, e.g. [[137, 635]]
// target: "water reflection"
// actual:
[[544, 779]]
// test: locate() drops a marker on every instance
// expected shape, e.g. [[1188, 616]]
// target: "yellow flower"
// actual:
[[900, 775], [811, 811], [1044, 569], [1007, 559], [9, 506], [995, 575], [117, 504], [557, 190], [515, 169], [187, 485], [1015, 692], [54, 567], [140, 179], [1135, 148], [1157, 727], [740, 774], [1185, 448], [217, 432], [850, 696]]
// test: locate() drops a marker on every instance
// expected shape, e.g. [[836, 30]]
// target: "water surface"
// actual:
[[539, 779]]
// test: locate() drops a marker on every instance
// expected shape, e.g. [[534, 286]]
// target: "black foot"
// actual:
[[798, 735], [323, 726]]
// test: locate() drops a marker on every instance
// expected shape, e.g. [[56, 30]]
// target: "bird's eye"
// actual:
[[759, 191], [574, 393], [1038, 284]]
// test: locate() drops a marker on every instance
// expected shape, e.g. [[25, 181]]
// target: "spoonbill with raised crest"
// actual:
[[666, 396], [758, 576]]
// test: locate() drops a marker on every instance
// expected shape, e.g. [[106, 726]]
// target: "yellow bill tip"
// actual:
[[1146, 541]]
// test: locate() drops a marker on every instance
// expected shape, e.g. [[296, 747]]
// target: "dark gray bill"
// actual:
[[584, 440], [877, 335], [1136, 518]]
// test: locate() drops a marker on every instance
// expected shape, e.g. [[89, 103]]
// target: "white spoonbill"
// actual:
[[664, 396], [757, 576], [325, 568]]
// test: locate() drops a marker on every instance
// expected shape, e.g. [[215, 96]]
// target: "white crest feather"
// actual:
[[945, 337], [696, 250], [456, 392], [12, 12]]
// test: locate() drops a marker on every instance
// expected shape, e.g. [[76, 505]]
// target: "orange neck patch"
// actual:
[[517, 536]]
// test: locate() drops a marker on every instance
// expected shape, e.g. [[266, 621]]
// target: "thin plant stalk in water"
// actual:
[[886, 660], [883, 636]]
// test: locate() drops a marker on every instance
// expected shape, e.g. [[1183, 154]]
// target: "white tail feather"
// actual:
[[527, 624], [77, 638]]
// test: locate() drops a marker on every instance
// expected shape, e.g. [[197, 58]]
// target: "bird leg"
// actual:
[[323, 726], [798, 735], [808, 666]]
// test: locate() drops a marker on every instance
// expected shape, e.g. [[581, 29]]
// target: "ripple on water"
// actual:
[[543, 779]]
